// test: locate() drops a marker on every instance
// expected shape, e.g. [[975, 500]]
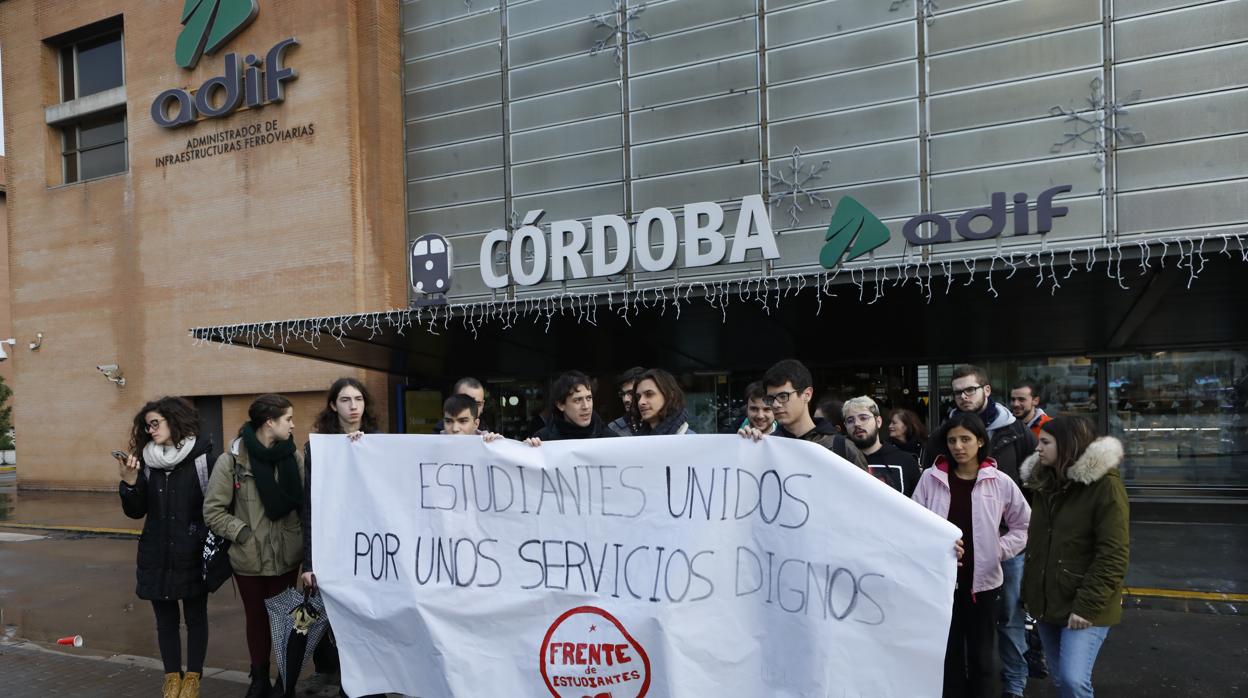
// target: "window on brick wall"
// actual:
[[92, 120], [94, 147], [91, 66]]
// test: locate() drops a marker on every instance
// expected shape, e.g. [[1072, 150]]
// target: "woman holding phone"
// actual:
[[160, 482]]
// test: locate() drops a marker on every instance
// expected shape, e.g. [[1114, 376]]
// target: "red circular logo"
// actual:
[[587, 653]]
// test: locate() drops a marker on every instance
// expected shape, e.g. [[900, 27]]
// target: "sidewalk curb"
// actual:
[[125, 660], [129, 532]]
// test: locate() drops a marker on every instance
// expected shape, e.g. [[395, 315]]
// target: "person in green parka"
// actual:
[[254, 499], [1077, 547]]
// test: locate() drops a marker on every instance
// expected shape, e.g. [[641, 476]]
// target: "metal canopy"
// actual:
[[1089, 314]]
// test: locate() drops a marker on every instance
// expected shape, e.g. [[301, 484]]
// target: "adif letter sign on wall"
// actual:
[[252, 81], [652, 243]]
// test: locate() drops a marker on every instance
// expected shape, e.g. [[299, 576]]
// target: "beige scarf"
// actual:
[[166, 457]]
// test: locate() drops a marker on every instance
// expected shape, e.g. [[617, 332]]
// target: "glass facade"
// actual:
[[1182, 417], [1068, 385]]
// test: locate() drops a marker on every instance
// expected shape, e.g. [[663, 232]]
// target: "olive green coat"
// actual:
[[261, 546], [1078, 540]]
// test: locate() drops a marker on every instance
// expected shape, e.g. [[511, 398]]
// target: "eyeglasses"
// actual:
[[153, 425], [860, 419], [969, 390], [780, 397]]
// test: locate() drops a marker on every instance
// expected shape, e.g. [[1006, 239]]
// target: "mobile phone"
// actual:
[[121, 456]]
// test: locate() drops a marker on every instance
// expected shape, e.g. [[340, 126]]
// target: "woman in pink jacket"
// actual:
[[965, 487]]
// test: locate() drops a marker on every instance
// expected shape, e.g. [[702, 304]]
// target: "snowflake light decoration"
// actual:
[[502, 256], [793, 185], [1097, 125], [928, 7], [619, 22]]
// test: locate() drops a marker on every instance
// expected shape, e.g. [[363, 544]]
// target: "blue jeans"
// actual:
[[1071, 654], [1011, 631]]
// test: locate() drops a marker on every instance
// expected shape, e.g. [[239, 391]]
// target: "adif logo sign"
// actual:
[[208, 26], [854, 230]]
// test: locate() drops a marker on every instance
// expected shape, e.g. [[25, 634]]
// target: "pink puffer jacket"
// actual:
[[995, 500]]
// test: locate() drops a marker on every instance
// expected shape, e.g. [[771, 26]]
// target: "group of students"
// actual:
[[1043, 518], [255, 495]]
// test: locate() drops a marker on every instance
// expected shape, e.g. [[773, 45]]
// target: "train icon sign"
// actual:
[[429, 269]]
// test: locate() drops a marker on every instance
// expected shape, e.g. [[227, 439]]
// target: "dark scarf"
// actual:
[[276, 472], [989, 413], [667, 426], [567, 429]]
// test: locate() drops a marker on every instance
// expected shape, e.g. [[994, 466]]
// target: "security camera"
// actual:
[[112, 373]]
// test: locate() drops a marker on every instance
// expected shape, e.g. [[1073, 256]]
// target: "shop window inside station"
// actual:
[[1068, 385], [1182, 417]]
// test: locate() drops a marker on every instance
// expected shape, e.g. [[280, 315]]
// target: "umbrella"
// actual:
[[297, 621]]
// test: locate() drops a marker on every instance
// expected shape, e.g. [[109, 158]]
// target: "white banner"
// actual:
[[619, 568]]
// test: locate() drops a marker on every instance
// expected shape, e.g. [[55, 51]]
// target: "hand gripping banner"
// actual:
[[621, 568]]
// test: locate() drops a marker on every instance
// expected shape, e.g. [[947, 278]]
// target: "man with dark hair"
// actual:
[[886, 462], [788, 394], [758, 413], [573, 416], [1010, 443], [624, 384], [828, 413], [474, 389], [1025, 404]]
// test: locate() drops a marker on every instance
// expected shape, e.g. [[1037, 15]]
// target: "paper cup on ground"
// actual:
[[73, 640]]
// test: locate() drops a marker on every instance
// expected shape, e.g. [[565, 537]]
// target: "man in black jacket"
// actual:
[[573, 416], [788, 385], [1010, 442]]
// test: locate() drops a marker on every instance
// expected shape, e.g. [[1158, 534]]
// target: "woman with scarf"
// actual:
[[659, 405], [160, 482], [259, 478]]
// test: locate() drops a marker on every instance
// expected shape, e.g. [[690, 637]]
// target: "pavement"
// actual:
[[66, 567]]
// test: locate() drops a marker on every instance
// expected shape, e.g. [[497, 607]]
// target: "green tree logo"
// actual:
[[209, 25], [853, 228]]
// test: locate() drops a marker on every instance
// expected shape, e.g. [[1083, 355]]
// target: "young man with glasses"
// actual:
[[1010, 443], [889, 464], [624, 384], [788, 386]]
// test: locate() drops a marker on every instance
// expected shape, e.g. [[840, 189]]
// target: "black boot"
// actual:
[[259, 687]]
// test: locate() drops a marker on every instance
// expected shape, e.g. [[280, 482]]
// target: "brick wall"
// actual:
[[117, 269]]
